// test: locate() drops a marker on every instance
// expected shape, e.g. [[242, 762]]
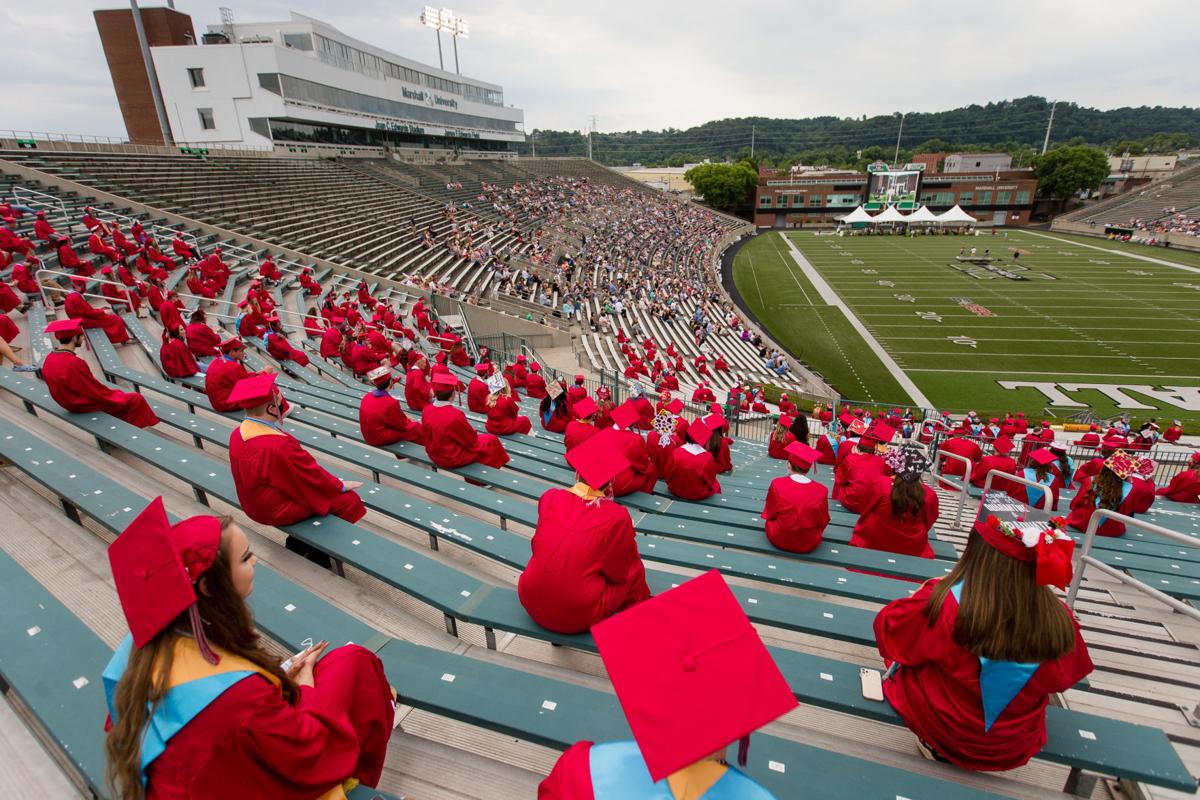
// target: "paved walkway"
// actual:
[[1151, 259]]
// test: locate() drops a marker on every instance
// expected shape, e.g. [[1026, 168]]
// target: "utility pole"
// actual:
[[533, 142], [591, 129], [1046, 141], [751, 142], [896, 159]]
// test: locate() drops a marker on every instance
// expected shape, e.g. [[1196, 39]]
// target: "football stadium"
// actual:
[[361, 439]]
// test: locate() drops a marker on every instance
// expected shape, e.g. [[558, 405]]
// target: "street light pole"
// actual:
[[896, 158]]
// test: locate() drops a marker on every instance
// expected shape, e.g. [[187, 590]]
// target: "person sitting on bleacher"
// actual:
[[576, 391], [12, 242], [176, 359], [585, 564], [796, 511], [703, 393], [278, 345], [199, 708], [520, 372], [1091, 438], [1172, 434], [69, 261], [92, 222], [666, 435], [1038, 470], [857, 472], [639, 475], [417, 393], [269, 270], [98, 247], [998, 460], [503, 413], [535, 384], [720, 445], [1184, 487], [692, 470], [692, 676], [380, 417], [974, 656], [450, 441], [202, 340], [477, 388], [898, 512], [554, 412], [123, 244], [119, 298], [76, 307], [43, 231], [786, 406], [225, 373], [73, 386], [960, 445], [781, 437], [1115, 489], [308, 283]]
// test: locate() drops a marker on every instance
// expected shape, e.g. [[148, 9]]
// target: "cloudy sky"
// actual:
[[650, 65]]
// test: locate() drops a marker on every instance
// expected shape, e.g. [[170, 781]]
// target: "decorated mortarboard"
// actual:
[[445, 380], [155, 566], [664, 426], [598, 459], [699, 432], [585, 407], [554, 390], [1003, 445], [802, 455], [64, 329], [1042, 457], [691, 674], [254, 391], [625, 415], [846, 418], [378, 373], [675, 406], [1057, 446], [856, 427], [908, 461], [495, 384]]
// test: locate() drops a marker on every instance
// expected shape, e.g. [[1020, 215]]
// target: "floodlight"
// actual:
[[431, 17]]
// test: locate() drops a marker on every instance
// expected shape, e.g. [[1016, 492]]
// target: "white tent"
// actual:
[[957, 216], [890, 214], [922, 214], [857, 215]]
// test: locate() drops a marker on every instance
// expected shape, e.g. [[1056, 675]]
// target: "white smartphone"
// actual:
[[872, 684]]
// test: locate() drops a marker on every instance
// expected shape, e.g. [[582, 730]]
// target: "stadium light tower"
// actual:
[[444, 20], [432, 18]]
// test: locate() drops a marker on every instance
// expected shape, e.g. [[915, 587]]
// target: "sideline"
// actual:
[[831, 297], [1151, 259]]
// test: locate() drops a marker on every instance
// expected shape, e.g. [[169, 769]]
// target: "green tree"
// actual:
[[1066, 170], [724, 186]]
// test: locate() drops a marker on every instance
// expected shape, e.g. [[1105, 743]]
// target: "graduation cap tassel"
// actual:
[[198, 632], [743, 750]]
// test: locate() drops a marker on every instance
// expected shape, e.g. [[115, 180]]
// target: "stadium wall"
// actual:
[[1175, 241]]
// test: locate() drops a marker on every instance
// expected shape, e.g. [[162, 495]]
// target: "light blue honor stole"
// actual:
[[192, 687], [619, 773], [833, 442], [1035, 495], [999, 681]]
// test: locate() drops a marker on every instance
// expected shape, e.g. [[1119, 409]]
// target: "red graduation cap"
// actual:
[[626, 415], [846, 418], [444, 380], [714, 408], [579, 379], [585, 407], [691, 673], [785, 420], [802, 455], [716, 422], [254, 391], [1042, 457], [675, 406], [521, 359], [598, 459], [155, 566], [231, 344], [1003, 445], [1045, 423], [65, 329], [699, 432], [880, 432], [482, 368]]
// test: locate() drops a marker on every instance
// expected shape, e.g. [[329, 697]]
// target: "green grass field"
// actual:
[[1083, 316]]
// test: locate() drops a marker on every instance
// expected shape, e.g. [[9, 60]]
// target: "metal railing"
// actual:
[[35, 199], [1084, 559], [939, 459]]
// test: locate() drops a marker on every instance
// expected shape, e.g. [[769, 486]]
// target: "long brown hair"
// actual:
[[1002, 613], [779, 433], [228, 624], [1106, 489], [908, 498]]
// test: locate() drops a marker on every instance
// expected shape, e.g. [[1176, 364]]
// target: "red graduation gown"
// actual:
[[639, 476], [416, 390], [383, 422], [203, 341], [249, 743], [450, 441], [220, 378], [855, 476], [114, 327], [73, 387], [660, 455], [477, 392], [879, 529], [281, 350], [828, 456], [585, 564], [986, 464], [177, 360], [331, 343], [960, 447], [8, 328], [169, 316], [535, 386], [578, 432], [936, 689], [278, 482], [1183, 488], [775, 447], [795, 513], [1083, 505], [692, 476], [503, 418], [1091, 439], [8, 298]]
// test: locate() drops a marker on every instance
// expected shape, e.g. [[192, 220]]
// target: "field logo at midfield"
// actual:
[[989, 272], [1186, 398], [973, 307]]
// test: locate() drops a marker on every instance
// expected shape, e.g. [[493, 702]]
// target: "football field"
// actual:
[[1090, 324]]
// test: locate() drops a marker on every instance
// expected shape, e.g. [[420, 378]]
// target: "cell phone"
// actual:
[[872, 684]]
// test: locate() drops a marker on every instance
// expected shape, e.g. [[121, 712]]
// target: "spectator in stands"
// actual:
[[72, 385], [856, 474], [995, 604], [176, 359], [639, 475], [202, 340], [781, 437], [503, 413], [554, 411], [897, 513], [450, 441], [380, 417], [585, 564], [1113, 489], [692, 474], [678, 703], [796, 511], [1184, 487], [199, 707]]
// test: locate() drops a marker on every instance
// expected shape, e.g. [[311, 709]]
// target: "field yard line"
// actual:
[[831, 297], [754, 272], [1151, 259], [1158, 379]]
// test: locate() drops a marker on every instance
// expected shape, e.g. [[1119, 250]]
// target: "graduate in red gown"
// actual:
[[692, 472], [279, 347], [535, 384], [1039, 471], [176, 359], [331, 340], [417, 393], [959, 445], [113, 326], [554, 412], [503, 414], [203, 341], [720, 444], [231, 720], [999, 460], [225, 373], [520, 372], [703, 393], [477, 388], [1184, 487], [583, 427], [585, 564], [1092, 468], [450, 441], [1112, 488], [1091, 438], [898, 512], [1172, 433], [786, 406], [72, 385], [856, 474], [781, 437], [974, 686], [692, 677], [796, 511], [666, 437], [380, 417], [576, 391], [639, 475]]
